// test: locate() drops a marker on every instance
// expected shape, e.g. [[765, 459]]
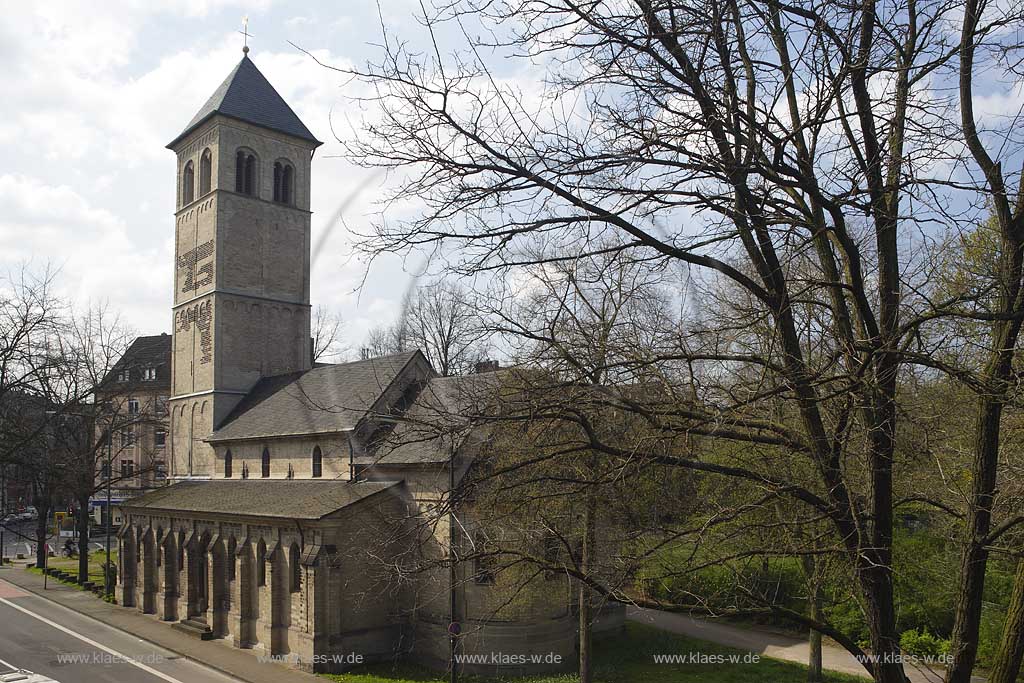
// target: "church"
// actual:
[[287, 523]]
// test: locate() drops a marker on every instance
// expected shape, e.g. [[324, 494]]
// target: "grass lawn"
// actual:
[[70, 564], [628, 658]]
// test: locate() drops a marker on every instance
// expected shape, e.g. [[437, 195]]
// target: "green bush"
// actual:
[[989, 633], [923, 643]]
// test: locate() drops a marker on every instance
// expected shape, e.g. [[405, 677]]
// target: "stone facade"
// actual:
[[241, 280], [286, 529]]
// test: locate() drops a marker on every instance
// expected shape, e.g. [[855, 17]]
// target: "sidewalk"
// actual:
[[241, 664], [770, 644]]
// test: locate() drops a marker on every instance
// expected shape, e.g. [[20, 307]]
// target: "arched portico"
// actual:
[[128, 560], [149, 571]]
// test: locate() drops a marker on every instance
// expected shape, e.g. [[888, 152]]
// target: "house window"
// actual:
[[160, 470], [161, 405], [483, 562], [127, 437], [265, 464], [205, 168], [105, 471], [188, 184], [245, 172], [318, 462], [149, 374], [296, 567], [133, 406], [127, 469], [227, 464], [122, 375], [160, 438]]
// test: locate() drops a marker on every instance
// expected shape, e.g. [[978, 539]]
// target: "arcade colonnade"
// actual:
[[255, 585]]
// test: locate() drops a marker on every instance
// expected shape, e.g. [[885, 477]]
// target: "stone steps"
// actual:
[[195, 628]]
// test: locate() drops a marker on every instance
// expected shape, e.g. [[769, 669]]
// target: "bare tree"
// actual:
[[328, 341], [439, 319], [790, 156]]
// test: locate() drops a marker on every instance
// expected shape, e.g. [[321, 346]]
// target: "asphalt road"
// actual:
[[19, 537], [49, 639]]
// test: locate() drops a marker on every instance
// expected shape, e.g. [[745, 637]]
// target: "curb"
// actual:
[[215, 667]]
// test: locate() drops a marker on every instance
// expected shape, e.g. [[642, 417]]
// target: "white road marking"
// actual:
[[101, 646]]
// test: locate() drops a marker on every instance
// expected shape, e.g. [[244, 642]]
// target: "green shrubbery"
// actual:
[[926, 571], [923, 643]]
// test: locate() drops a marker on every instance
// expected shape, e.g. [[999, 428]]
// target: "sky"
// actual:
[[93, 93]]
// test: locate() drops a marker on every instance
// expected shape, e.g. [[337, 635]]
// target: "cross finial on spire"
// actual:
[[245, 32]]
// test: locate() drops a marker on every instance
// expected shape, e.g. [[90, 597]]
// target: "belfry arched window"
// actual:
[[188, 184], [227, 464], [205, 171], [265, 471], [245, 172], [318, 462], [284, 182]]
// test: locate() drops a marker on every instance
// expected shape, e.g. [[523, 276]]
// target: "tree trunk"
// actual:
[[586, 607], [814, 672], [967, 619], [83, 539], [1011, 648]]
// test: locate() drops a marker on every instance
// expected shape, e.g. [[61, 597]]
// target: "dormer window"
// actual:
[[149, 374], [205, 172], [245, 172], [122, 375], [188, 184], [284, 182]]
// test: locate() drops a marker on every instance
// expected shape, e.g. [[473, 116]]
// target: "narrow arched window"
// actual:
[[318, 462], [188, 184], [277, 181], [245, 172], [286, 184], [205, 172], [261, 563], [296, 567], [266, 463], [227, 464]]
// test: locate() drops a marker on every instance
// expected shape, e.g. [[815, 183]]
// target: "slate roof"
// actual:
[[145, 352], [247, 95], [287, 498], [437, 422], [324, 399]]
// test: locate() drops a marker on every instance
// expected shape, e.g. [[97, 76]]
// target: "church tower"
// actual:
[[241, 257]]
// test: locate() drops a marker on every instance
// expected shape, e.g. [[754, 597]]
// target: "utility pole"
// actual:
[[3, 511], [107, 588], [453, 624]]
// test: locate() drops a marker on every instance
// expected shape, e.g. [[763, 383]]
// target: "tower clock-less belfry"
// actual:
[[304, 515], [241, 276]]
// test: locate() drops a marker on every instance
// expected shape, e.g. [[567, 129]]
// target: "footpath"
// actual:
[[241, 664], [770, 644]]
